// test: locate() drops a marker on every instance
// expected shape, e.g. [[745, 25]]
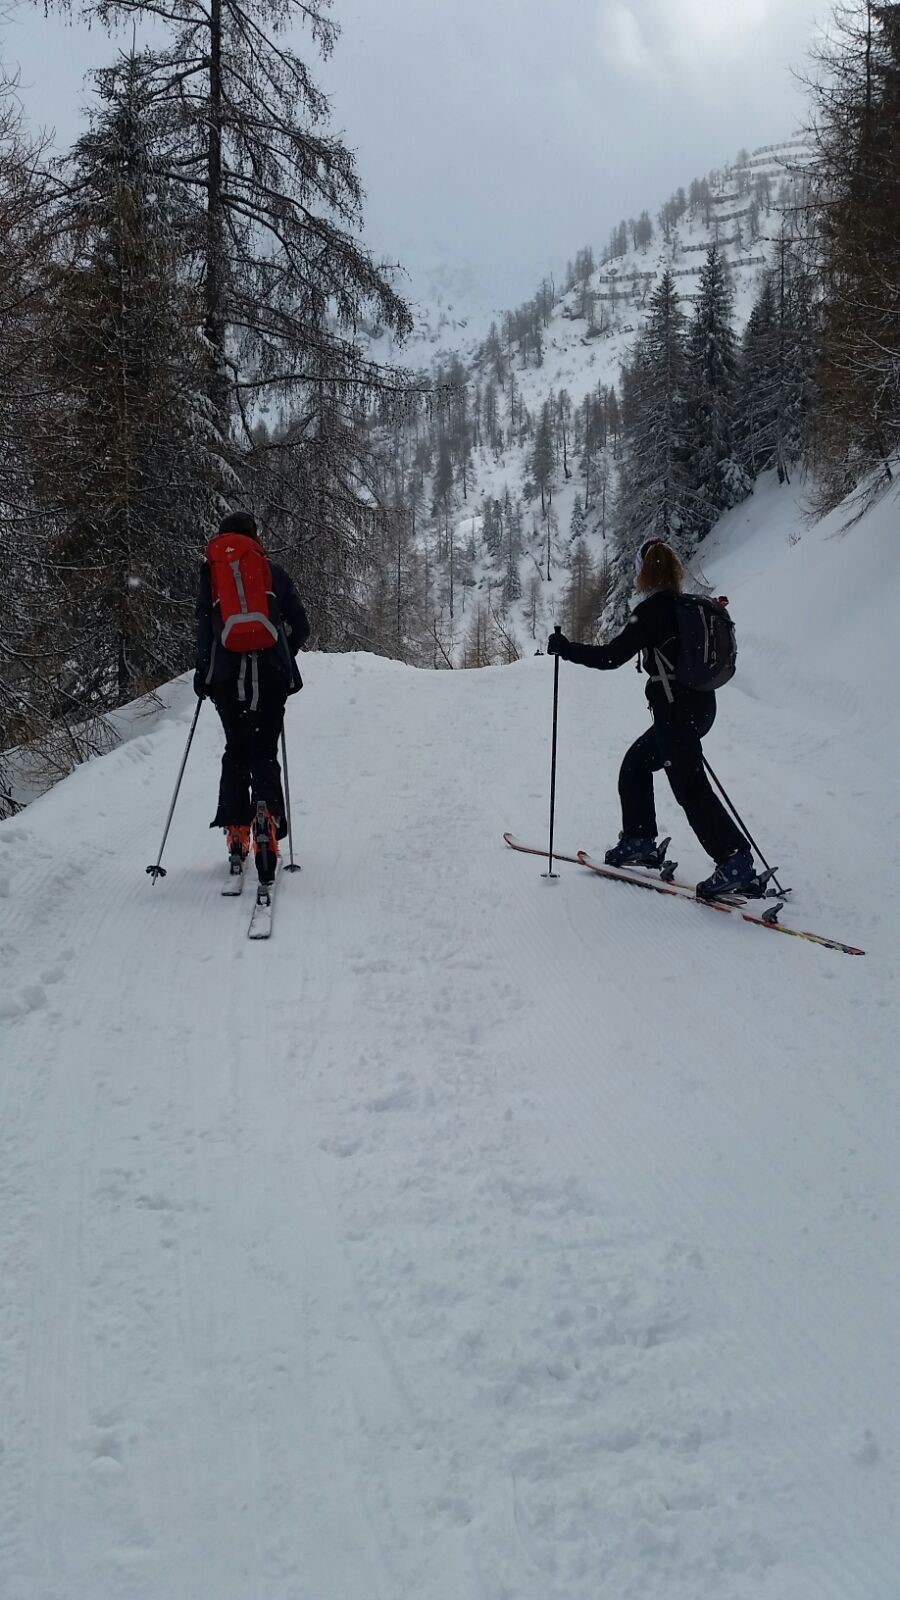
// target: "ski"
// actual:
[[261, 916], [684, 891], [767, 920], [634, 874], [535, 850], [234, 883]]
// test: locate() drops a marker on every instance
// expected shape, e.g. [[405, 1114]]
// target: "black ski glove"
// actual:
[[201, 688], [558, 645]]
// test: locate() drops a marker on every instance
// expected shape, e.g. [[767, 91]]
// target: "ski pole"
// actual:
[[550, 873], [744, 829], [292, 866], [157, 871]]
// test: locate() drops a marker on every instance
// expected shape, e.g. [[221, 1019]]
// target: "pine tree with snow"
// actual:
[[719, 479], [776, 371], [756, 415], [442, 489], [798, 356], [493, 428], [578, 521], [657, 490], [542, 460], [563, 428], [512, 549]]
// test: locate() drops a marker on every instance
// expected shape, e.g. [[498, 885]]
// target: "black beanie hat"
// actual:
[[239, 522]]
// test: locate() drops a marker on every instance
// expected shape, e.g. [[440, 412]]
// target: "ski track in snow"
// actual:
[[478, 1238]]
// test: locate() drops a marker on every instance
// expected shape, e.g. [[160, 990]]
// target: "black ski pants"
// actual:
[[672, 745], [250, 770]]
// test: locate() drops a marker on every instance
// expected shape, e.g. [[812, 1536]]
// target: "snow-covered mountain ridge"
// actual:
[[555, 358], [453, 309], [743, 211]]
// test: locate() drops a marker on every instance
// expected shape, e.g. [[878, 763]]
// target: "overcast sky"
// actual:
[[505, 134]]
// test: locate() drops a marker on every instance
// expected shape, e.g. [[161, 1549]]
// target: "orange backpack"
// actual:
[[241, 583]]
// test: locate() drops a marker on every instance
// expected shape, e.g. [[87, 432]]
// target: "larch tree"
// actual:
[[32, 703], [127, 455], [284, 281]]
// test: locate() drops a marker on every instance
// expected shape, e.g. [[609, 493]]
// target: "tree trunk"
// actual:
[[215, 225]]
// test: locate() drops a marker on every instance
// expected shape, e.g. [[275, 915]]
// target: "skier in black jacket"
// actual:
[[681, 719], [252, 719]]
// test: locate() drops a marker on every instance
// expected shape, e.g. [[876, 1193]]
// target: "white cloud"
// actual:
[[622, 40], [717, 25], [665, 39]]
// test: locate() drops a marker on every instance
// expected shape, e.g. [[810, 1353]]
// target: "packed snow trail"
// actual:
[[476, 1238]]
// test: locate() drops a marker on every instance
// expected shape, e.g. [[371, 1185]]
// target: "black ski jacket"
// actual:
[[653, 625], [277, 667]]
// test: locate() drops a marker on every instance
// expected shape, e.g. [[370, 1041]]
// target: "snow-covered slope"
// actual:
[[478, 1238], [589, 333], [452, 310]]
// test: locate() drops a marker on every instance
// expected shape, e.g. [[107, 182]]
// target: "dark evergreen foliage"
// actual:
[[719, 480], [855, 201]]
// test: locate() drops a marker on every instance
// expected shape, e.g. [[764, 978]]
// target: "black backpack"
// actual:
[[707, 657]]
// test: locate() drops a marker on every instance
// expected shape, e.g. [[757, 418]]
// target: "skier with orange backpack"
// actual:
[[250, 626]]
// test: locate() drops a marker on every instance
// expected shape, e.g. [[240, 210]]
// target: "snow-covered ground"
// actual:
[[478, 1238]]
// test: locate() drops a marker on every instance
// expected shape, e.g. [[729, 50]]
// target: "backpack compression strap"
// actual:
[[245, 614]]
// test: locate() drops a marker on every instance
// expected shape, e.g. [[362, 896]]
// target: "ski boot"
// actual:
[[635, 850], [238, 840], [265, 844], [732, 876]]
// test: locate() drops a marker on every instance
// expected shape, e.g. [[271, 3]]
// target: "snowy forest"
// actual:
[[191, 322]]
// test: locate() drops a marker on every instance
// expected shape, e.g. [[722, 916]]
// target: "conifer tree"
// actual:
[[512, 546], [776, 369], [719, 480], [657, 489], [443, 477], [757, 411], [578, 522], [542, 455], [857, 179]]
